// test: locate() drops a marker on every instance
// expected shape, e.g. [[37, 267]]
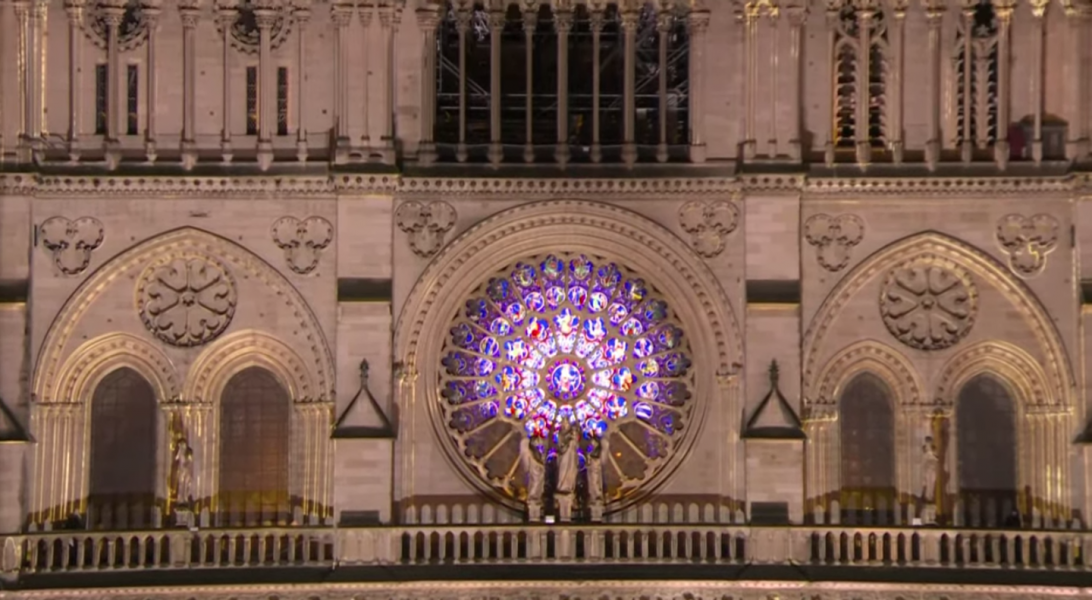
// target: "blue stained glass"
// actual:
[[498, 290], [523, 275], [553, 267]]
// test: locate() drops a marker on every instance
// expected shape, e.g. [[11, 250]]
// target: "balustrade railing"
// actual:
[[84, 551]]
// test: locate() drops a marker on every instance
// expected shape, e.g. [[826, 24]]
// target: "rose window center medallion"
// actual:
[[559, 348]]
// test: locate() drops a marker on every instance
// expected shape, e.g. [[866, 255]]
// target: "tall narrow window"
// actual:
[[122, 490], [252, 100], [976, 63], [102, 85], [282, 101], [859, 88], [132, 98], [647, 99], [868, 451], [254, 429], [986, 432]]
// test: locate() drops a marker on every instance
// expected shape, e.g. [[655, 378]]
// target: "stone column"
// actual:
[[365, 25], [302, 13], [226, 15], [797, 15], [190, 13], [341, 14], [496, 29], [390, 19], [462, 24], [896, 96], [563, 21], [664, 21], [112, 14], [428, 18], [752, 12], [596, 23], [864, 61], [74, 8], [1077, 69], [934, 16], [774, 55], [530, 22], [1038, 9], [151, 14], [265, 15], [967, 147], [1003, 9], [629, 142]]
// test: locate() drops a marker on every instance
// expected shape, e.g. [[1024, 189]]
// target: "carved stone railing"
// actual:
[[75, 552]]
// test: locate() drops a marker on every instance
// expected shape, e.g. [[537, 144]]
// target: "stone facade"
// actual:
[[884, 191]]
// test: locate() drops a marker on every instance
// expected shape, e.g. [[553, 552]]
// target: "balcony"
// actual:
[[316, 555]]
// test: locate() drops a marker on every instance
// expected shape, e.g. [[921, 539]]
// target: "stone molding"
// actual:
[[874, 357], [96, 358], [247, 184], [227, 356], [576, 226]]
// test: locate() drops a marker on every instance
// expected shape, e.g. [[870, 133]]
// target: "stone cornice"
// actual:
[[318, 184]]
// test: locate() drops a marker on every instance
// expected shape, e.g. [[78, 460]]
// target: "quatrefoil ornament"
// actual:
[[71, 242], [834, 238], [1027, 240], [426, 223], [708, 224], [302, 241]]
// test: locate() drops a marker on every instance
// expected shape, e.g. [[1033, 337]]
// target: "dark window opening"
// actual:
[[122, 490], [282, 101], [986, 431], [252, 101], [132, 83], [978, 124], [846, 85], [102, 86], [868, 452]]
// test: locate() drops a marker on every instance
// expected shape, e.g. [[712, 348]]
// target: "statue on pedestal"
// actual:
[[594, 468], [568, 467], [929, 466], [182, 480], [536, 478]]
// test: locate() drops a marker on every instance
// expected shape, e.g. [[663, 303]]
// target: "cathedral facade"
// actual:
[[570, 299]]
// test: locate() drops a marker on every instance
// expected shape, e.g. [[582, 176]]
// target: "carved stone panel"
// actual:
[[426, 223], [834, 238], [302, 241], [928, 304], [1027, 241], [708, 224], [71, 242], [186, 300]]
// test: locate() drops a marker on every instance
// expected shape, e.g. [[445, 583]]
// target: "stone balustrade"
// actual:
[[62, 552]]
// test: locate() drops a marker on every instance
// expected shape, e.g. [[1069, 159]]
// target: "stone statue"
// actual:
[[536, 478], [183, 473], [594, 468], [929, 464], [568, 467]]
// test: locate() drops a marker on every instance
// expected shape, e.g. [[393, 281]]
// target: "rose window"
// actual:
[[566, 342]]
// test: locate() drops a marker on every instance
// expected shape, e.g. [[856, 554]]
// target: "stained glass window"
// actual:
[[868, 451], [986, 422], [122, 490], [564, 342]]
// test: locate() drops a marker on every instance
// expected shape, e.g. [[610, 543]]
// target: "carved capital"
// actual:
[[341, 14], [595, 20], [428, 18], [426, 224], [563, 22]]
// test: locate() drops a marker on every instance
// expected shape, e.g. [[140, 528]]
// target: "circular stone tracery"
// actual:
[[566, 342]]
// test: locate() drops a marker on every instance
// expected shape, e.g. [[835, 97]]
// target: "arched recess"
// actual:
[[308, 436], [1042, 423], [122, 472], [986, 447], [866, 416], [254, 420], [62, 421], [1056, 364], [824, 415], [540, 228]]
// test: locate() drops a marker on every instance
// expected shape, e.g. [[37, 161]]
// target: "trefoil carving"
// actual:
[[426, 223], [834, 238], [928, 304], [1027, 241], [708, 224], [302, 241], [186, 301], [72, 242]]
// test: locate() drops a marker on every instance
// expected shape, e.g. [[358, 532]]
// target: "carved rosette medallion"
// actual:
[[302, 241], [834, 238], [928, 304], [71, 242], [186, 300], [1027, 241], [708, 224], [426, 223]]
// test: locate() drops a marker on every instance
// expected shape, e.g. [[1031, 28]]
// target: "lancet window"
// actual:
[[541, 83], [860, 76], [986, 451], [976, 71], [122, 486], [867, 424], [255, 414]]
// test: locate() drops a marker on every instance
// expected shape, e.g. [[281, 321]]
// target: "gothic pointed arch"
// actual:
[[558, 235]]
